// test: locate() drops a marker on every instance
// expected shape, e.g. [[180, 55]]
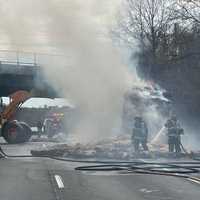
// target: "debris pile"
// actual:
[[119, 148]]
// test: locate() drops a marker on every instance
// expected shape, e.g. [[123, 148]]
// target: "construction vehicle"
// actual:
[[20, 79], [14, 131]]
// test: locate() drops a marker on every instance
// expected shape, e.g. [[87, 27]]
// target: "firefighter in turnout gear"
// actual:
[[140, 134], [174, 132]]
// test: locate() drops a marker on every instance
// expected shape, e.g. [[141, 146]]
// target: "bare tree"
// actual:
[[168, 32], [146, 22], [188, 10]]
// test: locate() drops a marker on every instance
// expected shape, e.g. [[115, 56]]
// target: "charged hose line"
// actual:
[[190, 155], [169, 168], [160, 168], [96, 161], [140, 167], [69, 160]]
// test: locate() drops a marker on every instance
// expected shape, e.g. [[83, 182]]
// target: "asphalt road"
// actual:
[[45, 179]]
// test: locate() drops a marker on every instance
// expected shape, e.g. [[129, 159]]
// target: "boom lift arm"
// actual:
[[17, 99]]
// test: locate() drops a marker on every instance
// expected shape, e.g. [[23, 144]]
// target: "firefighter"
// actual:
[[174, 132], [140, 134]]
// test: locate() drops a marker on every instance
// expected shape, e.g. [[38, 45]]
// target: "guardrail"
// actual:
[[19, 58], [6, 62]]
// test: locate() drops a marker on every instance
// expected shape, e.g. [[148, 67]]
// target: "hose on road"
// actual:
[[141, 167], [176, 169]]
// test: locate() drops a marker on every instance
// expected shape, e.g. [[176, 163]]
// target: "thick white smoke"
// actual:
[[90, 72]]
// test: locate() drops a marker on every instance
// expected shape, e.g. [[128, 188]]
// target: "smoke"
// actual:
[[90, 73]]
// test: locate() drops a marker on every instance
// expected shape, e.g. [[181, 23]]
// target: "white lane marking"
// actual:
[[59, 181], [194, 180]]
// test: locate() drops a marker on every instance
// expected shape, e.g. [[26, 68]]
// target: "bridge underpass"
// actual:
[[17, 75]]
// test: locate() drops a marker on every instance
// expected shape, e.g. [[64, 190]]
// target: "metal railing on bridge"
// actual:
[[22, 58]]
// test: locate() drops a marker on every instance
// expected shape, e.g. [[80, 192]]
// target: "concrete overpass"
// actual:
[[16, 75]]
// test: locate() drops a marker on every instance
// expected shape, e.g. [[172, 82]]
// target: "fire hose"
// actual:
[[141, 167], [183, 148], [172, 169], [190, 155]]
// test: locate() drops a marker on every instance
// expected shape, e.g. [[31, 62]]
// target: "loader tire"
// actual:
[[15, 132]]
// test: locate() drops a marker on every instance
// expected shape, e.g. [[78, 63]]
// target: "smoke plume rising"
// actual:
[[90, 73]]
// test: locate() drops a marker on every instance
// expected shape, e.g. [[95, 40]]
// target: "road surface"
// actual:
[[45, 179]]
